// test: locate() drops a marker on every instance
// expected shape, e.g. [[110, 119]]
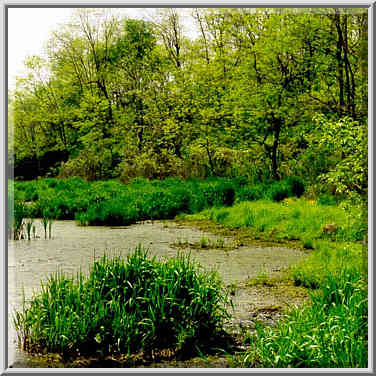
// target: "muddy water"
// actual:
[[73, 248]]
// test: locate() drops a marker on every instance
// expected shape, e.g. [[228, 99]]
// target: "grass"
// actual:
[[124, 307], [330, 332], [114, 203], [19, 214], [299, 219], [29, 226], [332, 329]]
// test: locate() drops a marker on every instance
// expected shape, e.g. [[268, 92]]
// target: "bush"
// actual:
[[278, 191], [125, 306], [250, 193], [296, 186], [327, 199]]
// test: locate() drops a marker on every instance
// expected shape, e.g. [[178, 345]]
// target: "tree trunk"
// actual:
[[337, 21], [277, 131]]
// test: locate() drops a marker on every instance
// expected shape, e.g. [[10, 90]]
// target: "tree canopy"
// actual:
[[261, 93]]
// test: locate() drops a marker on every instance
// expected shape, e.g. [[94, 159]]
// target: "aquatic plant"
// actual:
[[19, 213], [114, 203], [29, 226], [332, 331], [295, 220], [204, 242], [45, 220], [125, 306], [50, 221]]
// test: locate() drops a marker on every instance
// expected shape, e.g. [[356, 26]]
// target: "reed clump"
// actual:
[[125, 306], [331, 332]]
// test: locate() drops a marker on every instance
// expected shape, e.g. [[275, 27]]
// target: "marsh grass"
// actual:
[[50, 221], [328, 259], [298, 219], [45, 220], [19, 214], [204, 242], [29, 227], [124, 307], [330, 332], [114, 203]]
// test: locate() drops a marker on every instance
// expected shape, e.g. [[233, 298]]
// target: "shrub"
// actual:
[[278, 191], [327, 199], [125, 306], [250, 193], [296, 186]]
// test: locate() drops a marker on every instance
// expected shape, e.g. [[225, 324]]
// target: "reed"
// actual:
[[125, 306], [331, 332], [29, 226], [50, 221], [19, 214], [45, 220]]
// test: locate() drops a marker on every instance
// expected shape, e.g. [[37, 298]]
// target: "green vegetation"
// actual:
[[260, 93], [328, 260], [256, 125], [19, 214], [114, 203], [294, 219], [330, 332], [29, 226], [124, 307]]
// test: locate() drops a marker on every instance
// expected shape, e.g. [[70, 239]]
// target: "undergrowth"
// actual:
[[114, 203]]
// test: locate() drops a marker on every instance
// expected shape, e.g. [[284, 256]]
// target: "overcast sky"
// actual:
[[29, 29]]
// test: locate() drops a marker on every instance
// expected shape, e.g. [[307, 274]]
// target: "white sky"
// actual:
[[30, 28]]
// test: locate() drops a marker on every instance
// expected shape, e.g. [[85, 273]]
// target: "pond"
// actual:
[[73, 248]]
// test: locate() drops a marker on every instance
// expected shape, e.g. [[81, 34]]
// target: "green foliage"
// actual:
[[115, 203], [278, 191], [346, 142], [298, 219], [328, 259], [145, 100], [327, 199], [125, 306], [332, 332]]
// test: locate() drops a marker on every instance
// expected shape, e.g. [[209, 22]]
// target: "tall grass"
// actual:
[[115, 203], [29, 226], [125, 306], [331, 332], [299, 219], [327, 260], [19, 214]]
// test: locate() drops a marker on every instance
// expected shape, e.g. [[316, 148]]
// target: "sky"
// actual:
[[30, 28]]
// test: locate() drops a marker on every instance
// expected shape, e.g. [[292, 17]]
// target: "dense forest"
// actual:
[[259, 93]]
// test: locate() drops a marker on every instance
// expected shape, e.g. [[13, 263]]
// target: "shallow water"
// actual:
[[73, 248]]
